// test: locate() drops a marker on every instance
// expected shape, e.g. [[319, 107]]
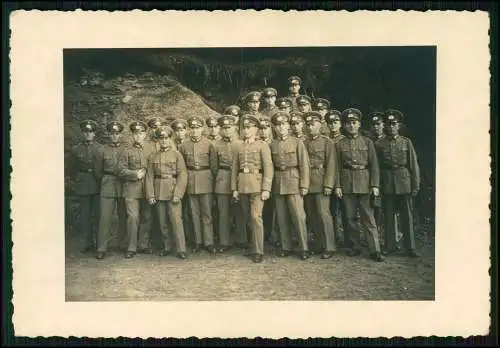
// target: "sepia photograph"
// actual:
[[262, 173]]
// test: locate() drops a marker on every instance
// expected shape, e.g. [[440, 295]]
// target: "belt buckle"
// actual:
[[282, 168], [196, 167], [89, 170], [246, 170]]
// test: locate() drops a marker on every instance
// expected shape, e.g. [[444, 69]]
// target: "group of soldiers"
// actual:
[[292, 171]]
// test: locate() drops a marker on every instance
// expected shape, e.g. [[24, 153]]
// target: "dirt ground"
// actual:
[[232, 276]]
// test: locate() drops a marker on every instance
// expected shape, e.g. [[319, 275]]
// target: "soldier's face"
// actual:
[[282, 129], [294, 87], [270, 100], [335, 126], [323, 112], [304, 107], [298, 127], [393, 128], [314, 128], [265, 132], [180, 133], [253, 105], [213, 130], [196, 132], [285, 109], [249, 131], [352, 127], [378, 128], [88, 136], [165, 142], [115, 137], [227, 132], [139, 137]]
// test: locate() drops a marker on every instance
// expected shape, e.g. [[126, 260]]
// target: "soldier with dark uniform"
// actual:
[[251, 178], [213, 129], [165, 185], [332, 119], [296, 121], [290, 185], [85, 185], [323, 171], [359, 178], [284, 104], [224, 153], [400, 181], [269, 107], [304, 104], [200, 157], [132, 166], [111, 189], [294, 83], [322, 106]]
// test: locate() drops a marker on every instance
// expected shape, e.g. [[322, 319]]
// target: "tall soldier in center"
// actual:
[[251, 178], [323, 174], [201, 161], [132, 165], [290, 185]]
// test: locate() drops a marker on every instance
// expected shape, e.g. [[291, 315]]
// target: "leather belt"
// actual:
[[284, 168], [319, 166], [109, 173], [90, 170], [225, 167], [198, 168], [250, 171], [394, 167], [165, 176], [355, 167]]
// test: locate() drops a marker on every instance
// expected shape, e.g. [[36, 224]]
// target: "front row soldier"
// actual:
[[85, 182], [323, 170], [296, 121], [400, 182], [111, 189], [359, 178], [290, 185], [132, 166], [251, 178], [165, 185], [200, 157], [224, 149], [376, 133]]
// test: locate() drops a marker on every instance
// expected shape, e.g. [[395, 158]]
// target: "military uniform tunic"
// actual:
[[251, 174], [291, 165], [166, 178], [200, 158], [131, 160], [359, 172], [399, 177], [82, 169], [323, 170]]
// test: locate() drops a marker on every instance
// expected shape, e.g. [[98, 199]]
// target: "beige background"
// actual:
[[462, 236]]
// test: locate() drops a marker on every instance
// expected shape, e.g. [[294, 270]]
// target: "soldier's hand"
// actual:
[[327, 191], [152, 201], [303, 191], [265, 195], [338, 192], [236, 196], [375, 191], [176, 200]]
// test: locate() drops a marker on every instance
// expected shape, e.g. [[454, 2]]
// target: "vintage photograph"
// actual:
[[266, 173]]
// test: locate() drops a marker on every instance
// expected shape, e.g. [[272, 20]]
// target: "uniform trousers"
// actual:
[[403, 204], [227, 212], [320, 221], [89, 212], [171, 225], [108, 207], [351, 204], [253, 205], [201, 214], [291, 217], [138, 223], [241, 224], [338, 214]]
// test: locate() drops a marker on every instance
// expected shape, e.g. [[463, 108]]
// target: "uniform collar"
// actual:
[[226, 139], [213, 137], [195, 140], [138, 145], [88, 143], [249, 141], [266, 139], [283, 138], [393, 137], [335, 134], [352, 136], [314, 137], [114, 144], [165, 148]]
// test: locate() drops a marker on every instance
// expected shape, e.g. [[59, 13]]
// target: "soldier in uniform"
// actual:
[[284, 104], [111, 188], [332, 119], [224, 153], [165, 185], [213, 129], [132, 165], [296, 121], [251, 178], [322, 106], [400, 181], [233, 110], [200, 157], [290, 185], [181, 133], [269, 107], [154, 123], [359, 178], [82, 169], [304, 104], [294, 83], [323, 170]]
